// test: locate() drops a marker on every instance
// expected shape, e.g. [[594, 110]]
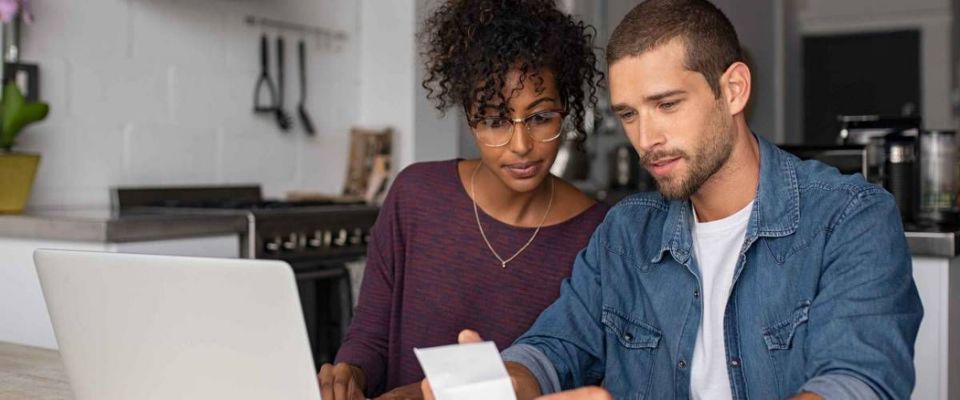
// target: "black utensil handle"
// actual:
[[280, 70], [264, 64], [264, 82], [302, 56]]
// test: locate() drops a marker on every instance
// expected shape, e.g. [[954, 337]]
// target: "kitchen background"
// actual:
[[157, 92], [160, 93]]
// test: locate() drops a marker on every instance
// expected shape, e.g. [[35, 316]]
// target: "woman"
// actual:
[[480, 244]]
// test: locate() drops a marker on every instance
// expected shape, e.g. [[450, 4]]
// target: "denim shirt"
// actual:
[[823, 298]]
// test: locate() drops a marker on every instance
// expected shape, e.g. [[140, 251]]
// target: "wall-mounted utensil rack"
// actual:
[[324, 33]]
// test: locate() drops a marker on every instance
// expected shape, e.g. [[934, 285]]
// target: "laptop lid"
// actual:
[[162, 327]]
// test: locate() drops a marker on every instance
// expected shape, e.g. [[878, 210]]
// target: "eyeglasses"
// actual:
[[544, 126]]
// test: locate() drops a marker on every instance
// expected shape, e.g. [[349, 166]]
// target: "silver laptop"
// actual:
[[159, 327]]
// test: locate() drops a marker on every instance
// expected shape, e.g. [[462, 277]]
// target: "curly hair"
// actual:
[[469, 46]]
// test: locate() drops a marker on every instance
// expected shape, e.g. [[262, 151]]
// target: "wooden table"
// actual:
[[32, 373]]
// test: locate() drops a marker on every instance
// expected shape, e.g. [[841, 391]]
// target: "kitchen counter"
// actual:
[[934, 244], [106, 226], [32, 373]]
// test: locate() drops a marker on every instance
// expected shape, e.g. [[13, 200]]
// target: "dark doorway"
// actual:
[[858, 74]]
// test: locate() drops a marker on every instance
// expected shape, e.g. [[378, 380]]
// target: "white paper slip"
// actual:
[[466, 372]]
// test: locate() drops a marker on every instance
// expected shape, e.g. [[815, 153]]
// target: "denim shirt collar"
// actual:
[[776, 207]]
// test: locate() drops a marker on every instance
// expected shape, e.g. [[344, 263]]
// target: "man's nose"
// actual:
[[644, 136]]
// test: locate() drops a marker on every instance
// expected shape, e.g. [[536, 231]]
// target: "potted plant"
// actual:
[[17, 170]]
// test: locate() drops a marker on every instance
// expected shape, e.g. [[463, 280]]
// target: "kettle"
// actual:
[[900, 174], [572, 163]]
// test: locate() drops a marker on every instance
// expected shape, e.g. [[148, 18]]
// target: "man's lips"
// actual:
[[663, 166]]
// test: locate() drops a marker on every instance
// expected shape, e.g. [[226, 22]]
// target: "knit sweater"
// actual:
[[429, 275]]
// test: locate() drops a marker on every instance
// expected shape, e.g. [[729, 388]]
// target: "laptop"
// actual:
[[162, 327]]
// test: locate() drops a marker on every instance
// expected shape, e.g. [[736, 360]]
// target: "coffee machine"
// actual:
[[871, 132], [917, 166]]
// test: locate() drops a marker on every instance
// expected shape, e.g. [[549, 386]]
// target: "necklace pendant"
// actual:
[[503, 264]]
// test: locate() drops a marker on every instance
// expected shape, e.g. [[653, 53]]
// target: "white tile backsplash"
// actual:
[[90, 31], [189, 33], [160, 92], [260, 156], [168, 154], [321, 161], [128, 90]]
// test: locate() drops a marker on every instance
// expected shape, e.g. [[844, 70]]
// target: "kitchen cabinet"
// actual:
[[937, 351], [23, 316]]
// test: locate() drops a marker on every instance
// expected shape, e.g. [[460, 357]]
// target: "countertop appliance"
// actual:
[[871, 131], [849, 159], [317, 238]]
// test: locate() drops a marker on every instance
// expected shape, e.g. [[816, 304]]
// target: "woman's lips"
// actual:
[[663, 166], [524, 170]]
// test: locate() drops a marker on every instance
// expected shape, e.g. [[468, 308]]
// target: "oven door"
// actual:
[[325, 296]]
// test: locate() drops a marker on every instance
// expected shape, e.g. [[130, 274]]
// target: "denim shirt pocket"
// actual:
[[631, 353], [779, 336]]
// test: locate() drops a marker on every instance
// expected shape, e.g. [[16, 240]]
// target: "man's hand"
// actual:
[[406, 392], [341, 382], [466, 336], [806, 396], [584, 393], [524, 383]]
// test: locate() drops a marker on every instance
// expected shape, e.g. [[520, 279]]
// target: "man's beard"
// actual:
[[711, 153]]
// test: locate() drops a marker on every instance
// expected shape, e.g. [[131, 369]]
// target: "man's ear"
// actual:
[[735, 87]]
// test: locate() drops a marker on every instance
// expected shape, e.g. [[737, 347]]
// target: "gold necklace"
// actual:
[[476, 214]]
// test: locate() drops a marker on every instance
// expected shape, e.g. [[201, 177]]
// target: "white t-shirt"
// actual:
[[716, 245]]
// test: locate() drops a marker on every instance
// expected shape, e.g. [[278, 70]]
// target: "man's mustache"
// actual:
[[652, 156]]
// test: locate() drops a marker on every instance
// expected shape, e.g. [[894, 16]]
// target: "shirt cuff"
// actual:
[[839, 386], [538, 364]]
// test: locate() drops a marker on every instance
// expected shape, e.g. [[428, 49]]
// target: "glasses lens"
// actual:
[[544, 126], [494, 131]]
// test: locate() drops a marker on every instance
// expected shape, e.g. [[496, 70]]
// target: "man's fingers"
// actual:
[[468, 336], [587, 393]]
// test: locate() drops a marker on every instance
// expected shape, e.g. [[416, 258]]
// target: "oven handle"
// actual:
[[322, 274]]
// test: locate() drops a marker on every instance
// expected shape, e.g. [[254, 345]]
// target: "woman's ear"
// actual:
[[735, 87]]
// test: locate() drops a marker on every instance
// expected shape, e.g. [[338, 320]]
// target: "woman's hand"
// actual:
[[341, 382], [407, 392]]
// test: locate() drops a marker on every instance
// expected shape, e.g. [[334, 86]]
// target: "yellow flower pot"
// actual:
[[17, 171]]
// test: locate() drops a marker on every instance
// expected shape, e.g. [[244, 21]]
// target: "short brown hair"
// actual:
[[709, 39]]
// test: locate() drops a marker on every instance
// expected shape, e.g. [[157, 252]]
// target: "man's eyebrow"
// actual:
[[660, 96]]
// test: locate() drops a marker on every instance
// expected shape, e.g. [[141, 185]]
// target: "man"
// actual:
[[750, 274]]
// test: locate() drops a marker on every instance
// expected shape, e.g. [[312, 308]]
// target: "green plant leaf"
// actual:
[[16, 113]]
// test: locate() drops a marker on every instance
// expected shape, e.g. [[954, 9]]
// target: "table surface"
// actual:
[[32, 373]]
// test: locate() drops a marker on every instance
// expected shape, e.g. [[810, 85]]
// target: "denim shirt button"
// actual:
[[682, 364], [696, 294], [734, 362], [628, 337]]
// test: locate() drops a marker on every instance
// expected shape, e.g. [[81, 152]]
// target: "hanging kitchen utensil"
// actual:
[[264, 83], [283, 119], [301, 109]]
